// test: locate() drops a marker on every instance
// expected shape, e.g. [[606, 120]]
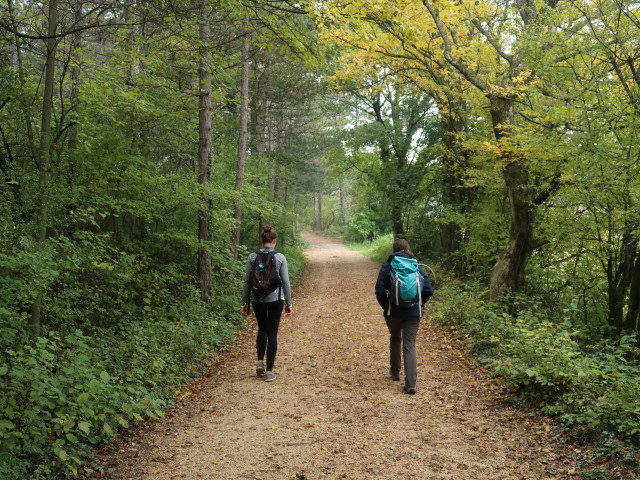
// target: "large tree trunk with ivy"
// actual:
[[204, 152], [622, 270], [509, 269]]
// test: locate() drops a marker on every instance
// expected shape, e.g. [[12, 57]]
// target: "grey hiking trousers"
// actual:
[[402, 344]]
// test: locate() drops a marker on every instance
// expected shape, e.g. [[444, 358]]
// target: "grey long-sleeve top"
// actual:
[[283, 269]]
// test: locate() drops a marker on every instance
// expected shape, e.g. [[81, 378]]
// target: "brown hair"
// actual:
[[268, 234], [401, 245]]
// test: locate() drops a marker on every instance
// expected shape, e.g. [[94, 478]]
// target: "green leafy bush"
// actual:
[[146, 335], [63, 395], [365, 224], [58, 399], [295, 261], [380, 248], [543, 358], [593, 390]]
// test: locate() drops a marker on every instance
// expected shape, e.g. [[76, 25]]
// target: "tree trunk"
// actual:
[[204, 152], [22, 96], [343, 204], [615, 297], [632, 320], [318, 210], [242, 142], [45, 147], [74, 96], [455, 197], [8, 171], [621, 275], [509, 269], [396, 219], [260, 101]]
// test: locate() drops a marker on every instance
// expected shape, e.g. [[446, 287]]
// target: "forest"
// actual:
[[144, 144]]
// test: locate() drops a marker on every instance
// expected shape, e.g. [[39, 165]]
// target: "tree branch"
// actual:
[[19, 34], [493, 43], [446, 43]]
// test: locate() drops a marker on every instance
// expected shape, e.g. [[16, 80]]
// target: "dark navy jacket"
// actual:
[[382, 291]]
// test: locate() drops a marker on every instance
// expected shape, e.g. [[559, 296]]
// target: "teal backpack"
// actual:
[[405, 287]]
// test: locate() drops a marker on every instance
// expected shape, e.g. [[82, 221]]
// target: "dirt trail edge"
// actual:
[[333, 413]]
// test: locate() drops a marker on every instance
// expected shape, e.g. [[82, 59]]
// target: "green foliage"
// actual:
[[116, 275], [57, 400], [61, 396], [593, 390], [380, 249], [610, 403], [364, 224], [542, 357], [295, 261]]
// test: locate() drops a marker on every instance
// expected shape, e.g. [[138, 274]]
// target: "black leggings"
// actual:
[[268, 315]]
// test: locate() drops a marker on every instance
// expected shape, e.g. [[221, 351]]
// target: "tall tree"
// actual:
[[44, 152], [204, 150], [242, 138], [502, 89], [393, 34]]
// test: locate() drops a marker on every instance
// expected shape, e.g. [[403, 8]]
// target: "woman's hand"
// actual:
[[287, 310], [244, 310]]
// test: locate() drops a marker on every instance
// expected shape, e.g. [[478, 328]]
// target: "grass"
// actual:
[[378, 249]]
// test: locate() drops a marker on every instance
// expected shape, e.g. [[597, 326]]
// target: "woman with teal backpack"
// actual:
[[402, 289]]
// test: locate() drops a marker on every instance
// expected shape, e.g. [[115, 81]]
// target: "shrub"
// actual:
[[380, 249], [365, 224], [62, 396], [541, 358], [65, 392], [594, 391], [57, 400]]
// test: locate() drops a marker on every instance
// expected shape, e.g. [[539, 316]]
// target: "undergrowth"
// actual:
[[69, 390], [62, 395], [593, 392]]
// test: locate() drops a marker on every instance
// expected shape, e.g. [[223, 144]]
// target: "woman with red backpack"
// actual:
[[267, 281]]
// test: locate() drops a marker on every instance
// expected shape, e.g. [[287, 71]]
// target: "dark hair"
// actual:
[[268, 234], [401, 245]]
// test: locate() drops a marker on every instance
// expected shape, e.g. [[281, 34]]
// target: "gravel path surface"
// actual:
[[333, 413]]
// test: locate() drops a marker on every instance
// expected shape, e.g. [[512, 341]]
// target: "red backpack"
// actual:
[[264, 277]]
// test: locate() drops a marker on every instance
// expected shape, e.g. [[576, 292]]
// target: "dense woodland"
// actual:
[[142, 146]]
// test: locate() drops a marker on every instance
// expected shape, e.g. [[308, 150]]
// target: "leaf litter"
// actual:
[[333, 413]]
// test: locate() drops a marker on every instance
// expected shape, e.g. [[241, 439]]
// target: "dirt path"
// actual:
[[333, 413]]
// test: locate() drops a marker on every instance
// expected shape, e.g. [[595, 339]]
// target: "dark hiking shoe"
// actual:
[[409, 390], [394, 376]]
